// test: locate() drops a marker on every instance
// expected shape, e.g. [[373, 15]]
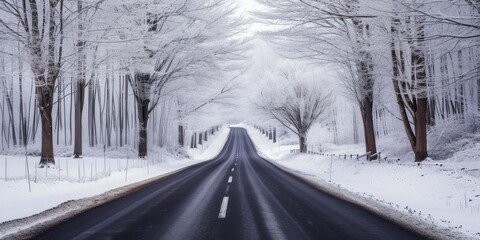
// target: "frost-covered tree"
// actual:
[[418, 34], [38, 26], [172, 45], [330, 32], [435, 64], [296, 101], [83, 12]]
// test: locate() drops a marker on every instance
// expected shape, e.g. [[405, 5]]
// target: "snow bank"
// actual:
[[446, 195], [210, 149]]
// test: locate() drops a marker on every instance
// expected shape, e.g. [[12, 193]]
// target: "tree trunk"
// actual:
[[274, 135], [303, 146], [398, 68], [195, 140], [364, 66], [421, 130], [431, 111], [79, 99], [8, 90], [420, 75], [23, 123], [142, 106], [142, 144], [47, 156], [91, 115], [367, 117], [192, 140], [355, 127], [181, 136], [80, 86]]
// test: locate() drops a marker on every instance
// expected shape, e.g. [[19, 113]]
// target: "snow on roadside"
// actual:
[[82, 178], [447, 195], [210, 149]]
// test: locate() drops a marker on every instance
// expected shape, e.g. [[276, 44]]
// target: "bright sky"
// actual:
[[248, 6]]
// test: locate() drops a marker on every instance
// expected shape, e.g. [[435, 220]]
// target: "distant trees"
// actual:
[[296, 101]]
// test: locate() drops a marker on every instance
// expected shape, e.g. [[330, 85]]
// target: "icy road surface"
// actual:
[[237, 195]]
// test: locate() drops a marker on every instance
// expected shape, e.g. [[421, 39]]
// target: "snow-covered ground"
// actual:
[[73, 179], [446, 195], [209, 149]]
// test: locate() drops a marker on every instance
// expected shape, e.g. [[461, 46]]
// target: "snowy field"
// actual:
[[446, 195], [73, 179]]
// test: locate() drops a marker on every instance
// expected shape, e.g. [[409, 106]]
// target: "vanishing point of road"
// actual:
[[237, 195]]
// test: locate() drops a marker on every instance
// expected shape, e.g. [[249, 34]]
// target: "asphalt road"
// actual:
[[238, 195]]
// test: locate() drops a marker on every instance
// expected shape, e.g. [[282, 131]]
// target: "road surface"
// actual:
[[238, 195]]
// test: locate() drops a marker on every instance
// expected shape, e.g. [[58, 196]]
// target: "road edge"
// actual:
[[416, 225], [428, 230], [27, 227]]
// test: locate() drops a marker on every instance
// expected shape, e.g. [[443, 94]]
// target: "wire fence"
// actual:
[[81, 170]]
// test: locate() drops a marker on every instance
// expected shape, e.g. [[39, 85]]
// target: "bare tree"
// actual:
[[179, 47], [80, 83], [297, 103], [429, 83], [326, 32], [41, 32]]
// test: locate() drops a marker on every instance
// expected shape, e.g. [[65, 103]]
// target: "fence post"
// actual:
[[36, 170], [28, 170], [126, 169], [104, 162], [66, 163], [331, 164], [83, 169], [59, 170]]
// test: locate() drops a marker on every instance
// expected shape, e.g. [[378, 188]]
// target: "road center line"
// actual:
[[223, 208], [230, 179], [233, 169]]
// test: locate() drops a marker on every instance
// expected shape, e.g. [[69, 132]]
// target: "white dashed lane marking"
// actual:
[[223, 208]]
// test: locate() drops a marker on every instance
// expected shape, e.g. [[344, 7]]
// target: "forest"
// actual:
[[114, 73], [89, 74]]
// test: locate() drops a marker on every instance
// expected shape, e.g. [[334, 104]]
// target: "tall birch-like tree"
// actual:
[[41, 32]]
